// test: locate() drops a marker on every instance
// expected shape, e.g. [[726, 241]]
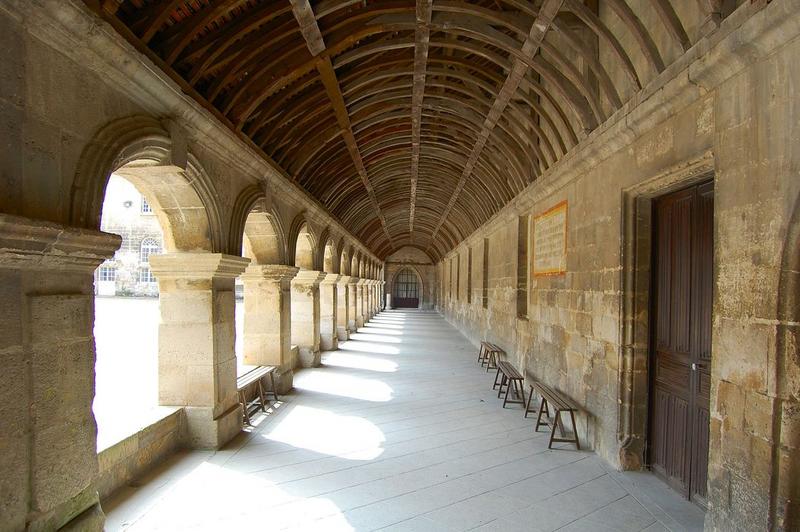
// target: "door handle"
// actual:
[[696, 366]]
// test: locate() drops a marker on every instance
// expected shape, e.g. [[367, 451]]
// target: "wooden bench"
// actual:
[[489, 354], [483, 352], [251, 382], [511, 379], [553, 398]]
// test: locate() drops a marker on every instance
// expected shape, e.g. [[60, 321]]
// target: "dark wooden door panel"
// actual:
[[681, 343], [405, 302]]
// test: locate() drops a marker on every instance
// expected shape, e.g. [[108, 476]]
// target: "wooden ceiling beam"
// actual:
[[304, 14], [422, 36], [539, 28]]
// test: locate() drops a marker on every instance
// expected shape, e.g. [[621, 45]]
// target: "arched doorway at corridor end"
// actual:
[[406, 289]]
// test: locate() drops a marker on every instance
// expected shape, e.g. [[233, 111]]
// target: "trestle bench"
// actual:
[[251, 384], [489, 354], [511, 379], [560, 403]]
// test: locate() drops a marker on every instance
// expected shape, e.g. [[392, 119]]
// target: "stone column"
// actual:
[[328, 307], [371, 298], [360, 312], [367, 303], [48, 440], [352, 287], [342, 308], [382, 295], [196, 336], [268, 320], [305, 316]]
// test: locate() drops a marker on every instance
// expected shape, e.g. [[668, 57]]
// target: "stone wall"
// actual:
[[726, 110], [422, 265], [78, 103], [135, 455]]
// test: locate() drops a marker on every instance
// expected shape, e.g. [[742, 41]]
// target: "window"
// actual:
[[485, 280], [146, 276], [107, 273], [458, 276], [469, 275], [146, 208], [149, 247], [522, 267], [406, 285]]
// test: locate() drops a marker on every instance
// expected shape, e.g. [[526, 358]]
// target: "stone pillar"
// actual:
[[48, 440], [268, 320], [382, 295], [352, 287], [305, 316], [371, 297], [196, 336], [342, 308], [360, 312], [367, 302], [328, 308]]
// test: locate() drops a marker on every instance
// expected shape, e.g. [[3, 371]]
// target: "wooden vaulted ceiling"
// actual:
[[413, 122]]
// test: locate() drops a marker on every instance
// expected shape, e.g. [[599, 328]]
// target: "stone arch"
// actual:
[[328, 253], [302, 248], [344, 260], [362, 267], [420, 292], [354, 271], [785, 488], [256, 230], [153, 156], [330, 259]]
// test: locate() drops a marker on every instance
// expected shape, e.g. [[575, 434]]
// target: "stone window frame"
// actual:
[[148, 246], [145, 207], [106, 273], [145, 275], [636, 259]]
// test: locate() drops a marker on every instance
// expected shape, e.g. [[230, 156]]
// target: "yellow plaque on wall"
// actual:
[[550, 241]]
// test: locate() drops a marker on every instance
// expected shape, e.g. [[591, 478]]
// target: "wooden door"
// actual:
[[406, 290], [681, 338]]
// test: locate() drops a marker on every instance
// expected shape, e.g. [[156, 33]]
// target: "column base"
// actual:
[[328, 342], [309, 356], [205, 432], [91, 520], [351, 326], [284, 380], [342, 333], [359, 322]]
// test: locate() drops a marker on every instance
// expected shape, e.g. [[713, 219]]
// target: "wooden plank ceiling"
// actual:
[[411, 122]]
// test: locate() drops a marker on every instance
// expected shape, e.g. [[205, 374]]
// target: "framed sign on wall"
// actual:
[[550, 241]]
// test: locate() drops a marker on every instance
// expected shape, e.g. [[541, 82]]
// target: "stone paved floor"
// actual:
[[398, 430]]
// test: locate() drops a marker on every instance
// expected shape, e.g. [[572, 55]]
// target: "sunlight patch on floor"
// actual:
[[345, 386], [322, 431], [346, 359]]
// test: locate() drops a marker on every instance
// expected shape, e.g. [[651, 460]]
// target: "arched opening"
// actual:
[[305, 306], [406, 289], [304, 249], [127, 314], [262, 243], [131, 181]]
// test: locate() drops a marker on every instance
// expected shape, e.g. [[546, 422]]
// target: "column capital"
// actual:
[[344, 279], [270, 272], [197, 266], [362, 282], [331, 278], [353, 280], [35, 244], [309, 277]]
